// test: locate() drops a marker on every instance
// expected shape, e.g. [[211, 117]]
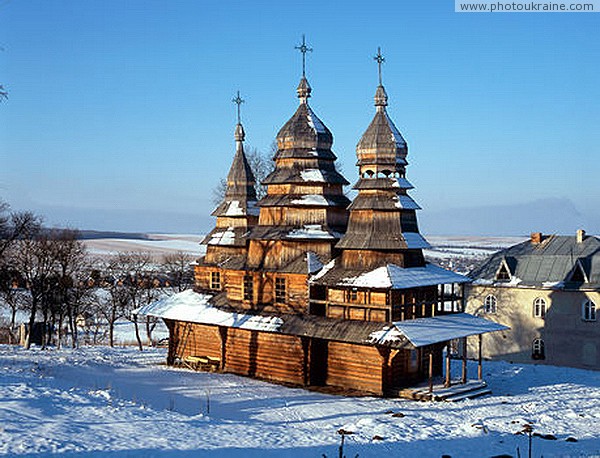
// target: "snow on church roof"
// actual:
[[428, 331], [393, 276], [196, 308]]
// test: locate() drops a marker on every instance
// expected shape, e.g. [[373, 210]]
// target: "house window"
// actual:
[[588, 311], [248, 287], [280, 294], [537, 349], [490, 303], [539, 307], [215, 280]]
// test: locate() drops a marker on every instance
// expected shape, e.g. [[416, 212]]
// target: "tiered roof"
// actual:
[[382, 216], [238, 210], [305, 199]]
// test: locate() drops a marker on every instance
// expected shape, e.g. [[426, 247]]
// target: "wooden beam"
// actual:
[[430, 372], [479, 359], [464, 360], [448, 381]]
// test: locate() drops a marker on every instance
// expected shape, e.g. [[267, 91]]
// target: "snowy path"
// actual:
[[119, 402]]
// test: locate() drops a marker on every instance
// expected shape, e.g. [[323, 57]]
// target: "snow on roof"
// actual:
[[311, 199], [313, 261], [415, 240], [393, 276], [314, 122], [226, 237], [196, 308], [402, 183], [313, 175], [406, 203], [234, 209], [311, 231], [326, 268], [427, 331]]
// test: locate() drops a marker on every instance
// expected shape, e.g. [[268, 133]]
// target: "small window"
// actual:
[[248, 287], [353, 295], [490, 304], [215, 280], [539, 307], [280, 293], [588, 311], [537, 349]]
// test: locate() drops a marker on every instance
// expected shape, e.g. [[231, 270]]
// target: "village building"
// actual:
[[308, 288], [547, 289]]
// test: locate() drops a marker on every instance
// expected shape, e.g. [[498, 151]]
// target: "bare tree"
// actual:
[[178, 268], [131, 284], [261, 164], [3, 93]]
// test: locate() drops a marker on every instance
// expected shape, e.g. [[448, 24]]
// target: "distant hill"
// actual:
[[92, 235], [550, 216]]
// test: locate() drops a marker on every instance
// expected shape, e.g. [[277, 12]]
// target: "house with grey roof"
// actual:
[[547, 289]]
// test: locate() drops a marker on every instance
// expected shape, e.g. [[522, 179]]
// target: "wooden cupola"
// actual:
[[238, 211], [383, 224], [305, 207]]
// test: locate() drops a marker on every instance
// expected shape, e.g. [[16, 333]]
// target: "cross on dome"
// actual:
[[303, 49], [380, 60], [238, 101]]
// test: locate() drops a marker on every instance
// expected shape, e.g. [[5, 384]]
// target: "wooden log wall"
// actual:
[[356, 367], [193, 339], [265, 355]]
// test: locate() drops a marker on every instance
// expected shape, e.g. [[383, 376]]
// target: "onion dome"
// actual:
[[382, 147], [304, 134]]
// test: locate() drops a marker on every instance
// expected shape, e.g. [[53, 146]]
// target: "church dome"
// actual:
[[304, 130], [382, 144]]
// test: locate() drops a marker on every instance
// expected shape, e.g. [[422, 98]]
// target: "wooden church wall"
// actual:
[[357, 367], [264, 355], [192, 339]]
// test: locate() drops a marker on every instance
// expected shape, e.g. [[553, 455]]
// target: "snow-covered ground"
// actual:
[[157, 244], [120, 402]]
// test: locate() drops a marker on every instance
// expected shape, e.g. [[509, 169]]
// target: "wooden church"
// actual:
[[308, 288]]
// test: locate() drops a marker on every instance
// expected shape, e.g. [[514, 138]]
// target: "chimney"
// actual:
[[536, 238], [580, 235]]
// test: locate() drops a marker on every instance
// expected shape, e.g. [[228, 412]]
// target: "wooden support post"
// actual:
[[464, 360], [479, 358], [448, 381], [430, 372]]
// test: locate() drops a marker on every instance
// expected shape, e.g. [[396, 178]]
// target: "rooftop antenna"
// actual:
[[303, 49], [238, 101], [380, 60]]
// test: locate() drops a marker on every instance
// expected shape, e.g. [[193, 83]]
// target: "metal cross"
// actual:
[[380, 60], [238, 101], [303, 49]]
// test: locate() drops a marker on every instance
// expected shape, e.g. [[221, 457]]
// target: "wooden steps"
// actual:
[[457, 392]]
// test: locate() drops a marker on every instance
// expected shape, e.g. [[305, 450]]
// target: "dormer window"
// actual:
[[503, 273], [578, 274]]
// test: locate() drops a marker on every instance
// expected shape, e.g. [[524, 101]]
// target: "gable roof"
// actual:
[[550, 263]]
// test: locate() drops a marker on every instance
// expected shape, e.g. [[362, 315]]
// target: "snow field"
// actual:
[[97, 401]]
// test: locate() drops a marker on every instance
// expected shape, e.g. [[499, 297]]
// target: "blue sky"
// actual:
[[120, 113]]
